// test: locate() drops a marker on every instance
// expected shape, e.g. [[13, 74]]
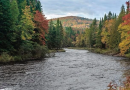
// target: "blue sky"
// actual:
[[83, 8]]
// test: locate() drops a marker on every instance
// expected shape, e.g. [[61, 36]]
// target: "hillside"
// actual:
[[77, 23]]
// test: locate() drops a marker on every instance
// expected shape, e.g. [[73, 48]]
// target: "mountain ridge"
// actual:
[[76, 22]]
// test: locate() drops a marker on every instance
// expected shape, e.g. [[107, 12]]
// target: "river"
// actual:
[[70, 70]]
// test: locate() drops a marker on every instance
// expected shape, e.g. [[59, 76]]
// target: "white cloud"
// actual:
[[83, 8]]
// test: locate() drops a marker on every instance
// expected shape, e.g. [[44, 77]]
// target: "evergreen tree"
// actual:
[[21, 6], [58, 34], [105, 18], [61, 34], [28, 2], [119, 20], [98, 36], [38, 6], [51, 37], [14, 20], [109, 15], [5, 25], [93, 31]]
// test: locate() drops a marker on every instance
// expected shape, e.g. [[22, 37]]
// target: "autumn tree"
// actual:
[[26, 24], [115, 37], [41, 27], [124, 30], [80, 40], [106, 30], [88, 37]]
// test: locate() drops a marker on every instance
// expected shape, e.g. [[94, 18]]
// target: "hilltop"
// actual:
[[77, 23]]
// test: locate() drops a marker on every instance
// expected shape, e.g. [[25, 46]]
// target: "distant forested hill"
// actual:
[[77, 23]]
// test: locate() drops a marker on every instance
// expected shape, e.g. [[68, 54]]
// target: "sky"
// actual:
[[82, 8]]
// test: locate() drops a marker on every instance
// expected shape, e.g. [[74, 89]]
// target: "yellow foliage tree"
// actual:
[[125, 38], [26, 24], [106, 30]]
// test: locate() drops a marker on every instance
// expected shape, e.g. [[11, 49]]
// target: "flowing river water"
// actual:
[[70, 70]]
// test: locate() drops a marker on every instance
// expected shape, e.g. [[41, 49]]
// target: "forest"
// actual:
[[25, 33], [77, 23], [108, 35], [22, 30], [112, 33]]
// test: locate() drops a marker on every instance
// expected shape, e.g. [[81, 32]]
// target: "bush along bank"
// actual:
[[24, 54]]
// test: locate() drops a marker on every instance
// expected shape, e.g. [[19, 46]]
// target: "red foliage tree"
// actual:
[[126, 18], [41, 23]]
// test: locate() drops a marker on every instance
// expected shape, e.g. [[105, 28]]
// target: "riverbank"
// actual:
[[110, 52], [5, 58]]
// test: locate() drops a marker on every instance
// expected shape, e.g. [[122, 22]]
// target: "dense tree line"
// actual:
[[59, 37], [22, 30], [25, 33], [55, 35], [112, 32]]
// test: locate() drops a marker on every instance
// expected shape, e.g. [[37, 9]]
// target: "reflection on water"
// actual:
[[70, 70]]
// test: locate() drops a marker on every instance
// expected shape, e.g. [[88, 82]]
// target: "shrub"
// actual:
[[25, 50], [5, 57], [39, 51], [17, 58]]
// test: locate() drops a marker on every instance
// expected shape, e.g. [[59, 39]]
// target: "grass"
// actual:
[[113, 52], [127, 55]]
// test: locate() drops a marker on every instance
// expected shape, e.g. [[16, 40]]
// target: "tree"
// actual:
[[98, 35], [28, 2], [58, 40], [107, 28], [124, 30], [109, 15], [21, 5], [93, 30], [14, 11], [5, 25], [41, 25], [115, 37], [38, 6], [26, 25], [51, 36], [125, 42], [88, 37]]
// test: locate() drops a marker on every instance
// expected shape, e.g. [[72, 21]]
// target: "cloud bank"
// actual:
[[83, 8]]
